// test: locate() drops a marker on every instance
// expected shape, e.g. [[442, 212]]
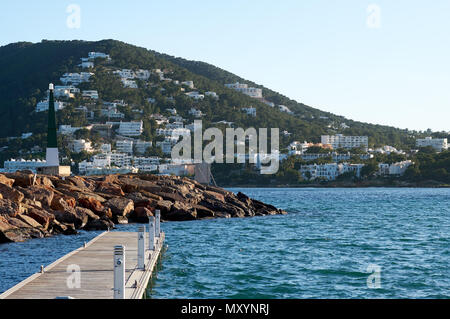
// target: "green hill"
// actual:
[[26, 69]]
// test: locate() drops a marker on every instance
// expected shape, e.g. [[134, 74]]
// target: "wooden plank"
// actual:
[[95, 262]]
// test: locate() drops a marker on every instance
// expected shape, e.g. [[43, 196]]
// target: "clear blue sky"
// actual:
[[319, 52]]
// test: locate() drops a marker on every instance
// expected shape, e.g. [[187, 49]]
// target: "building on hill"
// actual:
[[65, 91], [131, 128], [439, 144], [329, 171], [195, 95], [124, 146], [341, 141], [285, 109], [251, 111], [14, 165], [90, 94], [189, 84], [78, 146], [196, 113], [76, 78], [129, 84], [96, 55], [243, 88], [212, 94], [142, 146], [42, 106], [86, 64]]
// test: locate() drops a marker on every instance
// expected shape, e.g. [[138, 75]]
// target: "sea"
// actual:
[[334, 243]]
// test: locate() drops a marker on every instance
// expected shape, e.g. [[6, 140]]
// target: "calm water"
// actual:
[[322, 249]]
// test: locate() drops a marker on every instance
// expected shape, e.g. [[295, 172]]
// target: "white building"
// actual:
[[68, 129], [142, 146], [76, 78], [166, 145], [243, 88], [189, 84], [285, 109], [131, 128], [439, 144], [329, 171], [143, 74], [13, 165], [95, 55], [124, 146], [195, 112], [66, 91], [249, 110], [298, 148], [173, 133], [90, 94], [77, 146], [86, 64], [129, 84], [212, 94], [341, 141], [42, 106], [195, 95], [111, 112], [105, 148]]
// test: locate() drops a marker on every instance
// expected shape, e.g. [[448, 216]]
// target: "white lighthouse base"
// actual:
[[52, 157]]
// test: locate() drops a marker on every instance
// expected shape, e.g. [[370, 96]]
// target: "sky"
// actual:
[[380, 61]]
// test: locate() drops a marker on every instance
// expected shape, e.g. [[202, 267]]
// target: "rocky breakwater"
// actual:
[[40, 206]]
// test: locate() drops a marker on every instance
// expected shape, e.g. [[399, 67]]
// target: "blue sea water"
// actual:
[[321, 249]]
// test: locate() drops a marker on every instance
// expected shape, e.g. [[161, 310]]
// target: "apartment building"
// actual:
[[439, 144], [131, 128], [42, 106], [78, 146], [76, 78], [243, 88], [90, 94], [124, 146], [251, 111], [329, 171], [14, 165], [341, 141]]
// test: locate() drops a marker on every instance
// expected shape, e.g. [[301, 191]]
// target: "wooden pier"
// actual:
[[99, 269]]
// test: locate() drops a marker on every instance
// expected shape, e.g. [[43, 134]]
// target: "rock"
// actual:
[[110, 189], [15, 230], [88, 212], [62, 202], [181, 212], [141, 215], [119, 220], [164, 206], [45, 181], [61, 228], [44, 218], [92, 204], [203, 212], [32, 203], [99, 224], [6, 181], [30, 221], [214, 195], [22, 178], [120, 206], [71, 216], [10, 208], [39, 193], [10, 193]]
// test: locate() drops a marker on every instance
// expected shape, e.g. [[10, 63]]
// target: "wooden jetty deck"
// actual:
[[94, 266]]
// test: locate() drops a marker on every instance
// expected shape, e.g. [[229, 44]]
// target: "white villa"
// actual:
[[439, 144], [243, 88]]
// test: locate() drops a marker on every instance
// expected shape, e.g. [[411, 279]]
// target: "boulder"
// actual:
[[10, 208], [61, 228], [6, 181], [119, 220], [164, 206], [15, 230], [30, 221], [10, 193], [111, 189], [141, 215], [99, 224], [88, 212], [91, 203], [71, 216], [181, 212], [44, 218], [120, 206], [39, 193], [203, 212], [22, 178]]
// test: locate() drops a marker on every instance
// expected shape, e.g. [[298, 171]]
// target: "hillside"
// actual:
[[26, 69]]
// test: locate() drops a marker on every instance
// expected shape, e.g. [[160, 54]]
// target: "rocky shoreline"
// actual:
[[37, 206]]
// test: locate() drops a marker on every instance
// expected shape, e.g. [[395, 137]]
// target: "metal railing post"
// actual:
[[151, 233], [141, 247], [119, 272]]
